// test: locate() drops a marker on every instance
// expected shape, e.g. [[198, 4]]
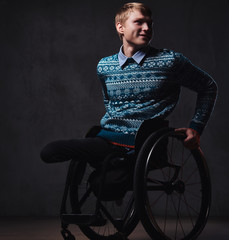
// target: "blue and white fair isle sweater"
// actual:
[[136, 92]]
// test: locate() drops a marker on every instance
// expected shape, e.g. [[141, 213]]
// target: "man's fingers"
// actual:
[[192, 139], [191, 142], [183, 130]]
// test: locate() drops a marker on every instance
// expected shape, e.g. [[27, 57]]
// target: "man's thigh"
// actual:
[[88, 149]]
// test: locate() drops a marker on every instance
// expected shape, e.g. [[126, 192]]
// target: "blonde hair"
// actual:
[[124, 12]]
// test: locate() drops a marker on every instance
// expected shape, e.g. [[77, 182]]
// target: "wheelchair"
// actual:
[[170, 191]]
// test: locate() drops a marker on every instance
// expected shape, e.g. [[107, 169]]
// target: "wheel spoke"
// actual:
[[166, 212], [178, 220], [194, 194], [190, 207], [192, 184], [191, 174], [159, 197], [188, 210]]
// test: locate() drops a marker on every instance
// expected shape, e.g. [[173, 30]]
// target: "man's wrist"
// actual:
[[197, 133], [197, 127]]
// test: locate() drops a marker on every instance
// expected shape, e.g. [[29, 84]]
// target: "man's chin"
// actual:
[[140, 44], [144, 44], [144, 41]]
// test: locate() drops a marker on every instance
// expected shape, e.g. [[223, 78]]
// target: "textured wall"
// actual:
[[49, 89]]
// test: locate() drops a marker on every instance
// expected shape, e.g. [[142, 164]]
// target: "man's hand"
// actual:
[[192, 139]]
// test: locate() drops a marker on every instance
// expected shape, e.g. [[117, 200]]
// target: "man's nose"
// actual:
[[146, 27]]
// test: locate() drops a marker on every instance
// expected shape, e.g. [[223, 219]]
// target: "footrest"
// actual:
[[83, 219]]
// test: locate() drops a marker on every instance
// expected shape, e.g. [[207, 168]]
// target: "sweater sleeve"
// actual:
[[193, 78]]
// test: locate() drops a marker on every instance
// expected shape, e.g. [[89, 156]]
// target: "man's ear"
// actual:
[[119, 27]]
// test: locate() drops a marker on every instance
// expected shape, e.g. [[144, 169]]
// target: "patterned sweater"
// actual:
[[136, 92]]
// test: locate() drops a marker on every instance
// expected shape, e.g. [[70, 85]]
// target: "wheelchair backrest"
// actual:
[[148, 127]]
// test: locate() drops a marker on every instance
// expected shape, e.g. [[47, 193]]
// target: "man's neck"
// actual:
[[129, 50]]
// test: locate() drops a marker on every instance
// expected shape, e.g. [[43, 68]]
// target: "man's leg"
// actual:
[[88, 149]]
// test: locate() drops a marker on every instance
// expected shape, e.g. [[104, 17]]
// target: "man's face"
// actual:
[[136, 30]]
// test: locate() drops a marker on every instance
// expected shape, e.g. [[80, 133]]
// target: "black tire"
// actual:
[[173, 202], [117, 210]]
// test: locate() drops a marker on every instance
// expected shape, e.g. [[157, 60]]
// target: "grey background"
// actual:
[[49, 89]]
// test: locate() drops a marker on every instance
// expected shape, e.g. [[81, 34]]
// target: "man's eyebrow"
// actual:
[[149, 21], [143, 19]]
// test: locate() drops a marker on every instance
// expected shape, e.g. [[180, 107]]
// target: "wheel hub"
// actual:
[[177, 186]]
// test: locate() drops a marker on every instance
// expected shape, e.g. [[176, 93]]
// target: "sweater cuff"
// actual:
[[197, 127]]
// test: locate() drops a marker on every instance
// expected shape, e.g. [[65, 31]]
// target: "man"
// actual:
[[146, 82], [139, 83]]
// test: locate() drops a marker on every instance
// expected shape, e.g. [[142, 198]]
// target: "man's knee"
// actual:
[[46, 155], [58, 151]]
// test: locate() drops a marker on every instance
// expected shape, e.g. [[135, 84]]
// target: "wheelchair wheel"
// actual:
[[119, 217], [172, 187]]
